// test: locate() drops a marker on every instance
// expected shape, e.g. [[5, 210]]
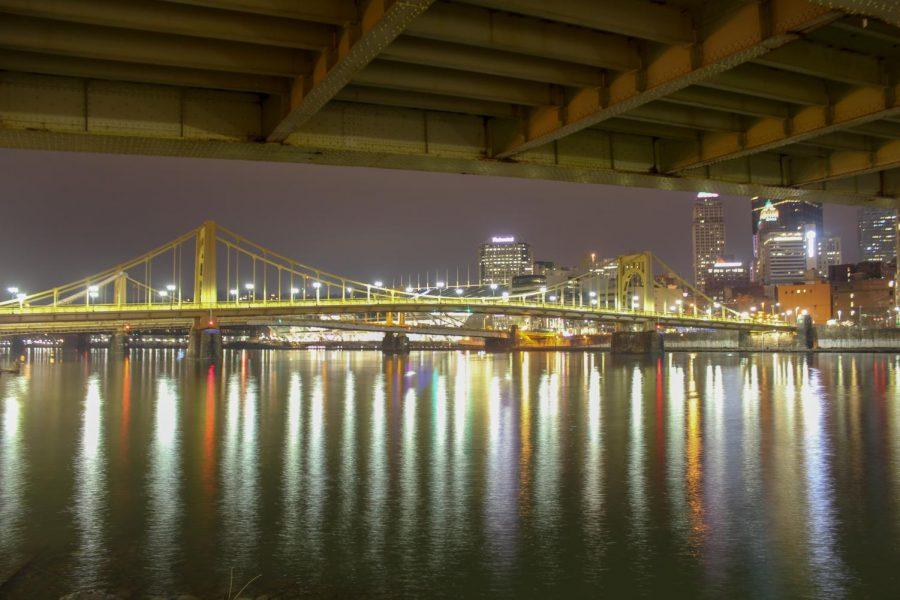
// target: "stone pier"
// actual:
[[637, 342], [395, 343], [80, 342], [205, 341], [118, 343]]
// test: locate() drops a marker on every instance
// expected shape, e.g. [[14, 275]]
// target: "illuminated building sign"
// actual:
[[507, 239]]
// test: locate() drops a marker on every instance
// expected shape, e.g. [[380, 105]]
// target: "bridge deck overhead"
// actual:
[[780, 98]]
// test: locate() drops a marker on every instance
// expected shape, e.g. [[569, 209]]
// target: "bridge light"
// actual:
[[349, 290], [171, 287], [13, 290], [594, 302], [543, 289], [379, 283], [635, 298], [459, 291], [409, 289], [717, 305], [234, 292], [439, 284], [592, 294], [163, 293], [249, 286], [295, 290], [494, 286], [553, 298], [505, 295], [93, 288], [317, 284]]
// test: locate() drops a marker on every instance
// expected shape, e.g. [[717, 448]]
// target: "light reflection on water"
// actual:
[[448, 474]]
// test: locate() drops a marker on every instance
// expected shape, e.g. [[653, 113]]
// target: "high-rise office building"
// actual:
[[829, 254], [786, 256], [771, 216], [504, 258], [708, 234], [877, 234]]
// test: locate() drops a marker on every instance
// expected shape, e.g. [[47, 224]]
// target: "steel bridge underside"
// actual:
[[783, 98], [111, 318]]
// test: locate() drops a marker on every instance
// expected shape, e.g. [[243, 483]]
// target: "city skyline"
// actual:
[[330, 215]]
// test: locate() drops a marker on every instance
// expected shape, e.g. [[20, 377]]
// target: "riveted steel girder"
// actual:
[[858, 106], [48, 64], [492, 62], [416, 78], [817, 60], [107, 43], [382, 21], [147, 15], [336, 12], [473, 26], [845, 163], [427, 101], [656, 22], [887, 10], [739, 36]]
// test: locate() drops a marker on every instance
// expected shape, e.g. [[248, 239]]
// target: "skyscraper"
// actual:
[[770, 216], [708, 233], [504, 258], [784, 256], [829, 253], [877, 241]]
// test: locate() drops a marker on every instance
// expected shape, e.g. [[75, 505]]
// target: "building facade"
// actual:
[[708, 235], [784, 257], [877, 234], [502, 259], [867, 302], [812, 299], [830, 254]]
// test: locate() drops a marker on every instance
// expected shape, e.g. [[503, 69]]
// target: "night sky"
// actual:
[[65, 215]]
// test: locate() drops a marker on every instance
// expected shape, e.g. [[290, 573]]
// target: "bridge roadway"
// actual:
[[111, 317]]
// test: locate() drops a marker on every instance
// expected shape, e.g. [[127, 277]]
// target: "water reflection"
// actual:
[[455, 474]]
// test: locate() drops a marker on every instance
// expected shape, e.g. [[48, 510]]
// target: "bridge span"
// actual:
[[777, 98], [162, 289]]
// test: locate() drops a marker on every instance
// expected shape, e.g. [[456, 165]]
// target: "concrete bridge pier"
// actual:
[[118, 342], [395, 343], [506, 344], [16, 347], [80, 342], [647, 343], [205, 341]]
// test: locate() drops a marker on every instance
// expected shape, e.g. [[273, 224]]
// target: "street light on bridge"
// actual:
[[251, 294], [294, 292], [236, 293], [92, 292], [21, 298], [317, 285], [493, 289], [543, 290]]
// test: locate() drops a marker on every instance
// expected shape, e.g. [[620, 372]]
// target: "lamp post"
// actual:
[[294, 292], [171, 289], [236, 293], [543, 294], [20, 296], [251, 293], [493, 289], [317, 285], [440, 287], [92, 291]]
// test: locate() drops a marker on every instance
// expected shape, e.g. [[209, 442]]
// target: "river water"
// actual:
[[451, 474]]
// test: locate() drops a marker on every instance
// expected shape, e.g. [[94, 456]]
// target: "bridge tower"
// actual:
[[120, 289], [635, 267], [205, 282]]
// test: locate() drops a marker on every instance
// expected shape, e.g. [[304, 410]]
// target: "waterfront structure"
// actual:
[[707, 234], [811, 298], [877, 234], [502, 259], [860, 271]]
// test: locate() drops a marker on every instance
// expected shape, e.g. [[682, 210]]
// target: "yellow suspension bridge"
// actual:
[[233, 281]]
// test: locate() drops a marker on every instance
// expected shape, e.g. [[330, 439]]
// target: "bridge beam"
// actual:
[[858, 106], [380, 23], [741, 35]]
